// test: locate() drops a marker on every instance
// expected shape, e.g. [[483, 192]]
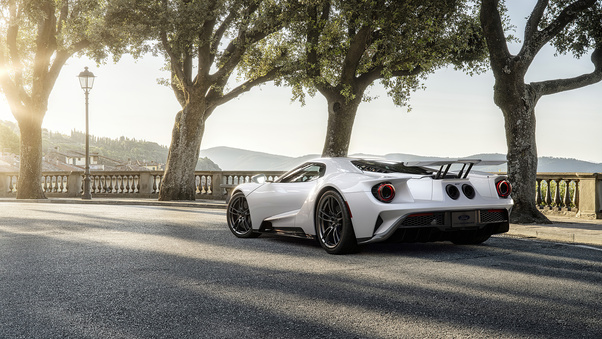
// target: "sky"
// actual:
[[453, 117]]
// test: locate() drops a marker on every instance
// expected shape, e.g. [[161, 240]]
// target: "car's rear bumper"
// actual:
[[436, 225]]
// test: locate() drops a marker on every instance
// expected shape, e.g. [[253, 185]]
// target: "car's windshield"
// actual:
[[388, 167]]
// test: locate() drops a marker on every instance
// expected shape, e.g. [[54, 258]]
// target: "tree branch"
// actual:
[[561, 85], [59, 61], [237, 47], [315, 25], [493, 30], [534, 19], [216, 99], [540, 38], [205, 51], [357, 47], [375, 73], [45, 48], [176, 65], [178, 91], [206, 54], [219, 34], [63, 16], [12, 34]]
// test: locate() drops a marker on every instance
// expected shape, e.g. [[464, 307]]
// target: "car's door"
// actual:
[[287, 194]]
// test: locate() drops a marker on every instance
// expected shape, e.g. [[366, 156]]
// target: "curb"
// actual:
[[559, 234], [100, 201]]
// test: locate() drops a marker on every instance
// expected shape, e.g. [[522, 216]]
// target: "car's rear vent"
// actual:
[[424, 219], [452, 191], [379, 221], [490, 216]]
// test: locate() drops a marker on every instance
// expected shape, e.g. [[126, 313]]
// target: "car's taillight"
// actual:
[[503, 188], [384, 192]]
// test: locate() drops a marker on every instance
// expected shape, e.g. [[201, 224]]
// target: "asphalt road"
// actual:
[[97, 271]]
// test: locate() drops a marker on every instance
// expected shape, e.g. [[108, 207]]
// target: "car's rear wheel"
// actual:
[[239, 217], [333, 225], [470, 237]]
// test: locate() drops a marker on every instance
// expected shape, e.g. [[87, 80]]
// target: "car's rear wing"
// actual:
[[445, 165]]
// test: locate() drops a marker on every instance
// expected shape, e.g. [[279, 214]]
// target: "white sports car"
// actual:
[[346, 202]]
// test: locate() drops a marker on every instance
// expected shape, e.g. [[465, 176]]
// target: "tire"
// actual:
[[239, 217], [470, 237], [333, 225]]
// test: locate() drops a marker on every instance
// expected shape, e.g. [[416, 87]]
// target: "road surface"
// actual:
[[98, 271]]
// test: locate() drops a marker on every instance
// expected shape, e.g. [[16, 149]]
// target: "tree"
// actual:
[[350, 44], [36, 39], [572, 26], [215, 37]]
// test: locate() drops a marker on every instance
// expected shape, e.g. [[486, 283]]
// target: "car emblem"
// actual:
[[464, 217]]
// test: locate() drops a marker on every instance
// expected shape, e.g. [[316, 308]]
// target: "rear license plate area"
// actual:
[[463, 219]]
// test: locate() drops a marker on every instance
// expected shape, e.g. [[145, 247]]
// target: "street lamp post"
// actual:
[[86, 80]]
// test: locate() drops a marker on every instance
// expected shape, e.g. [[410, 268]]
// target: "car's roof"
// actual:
[[345, 164]]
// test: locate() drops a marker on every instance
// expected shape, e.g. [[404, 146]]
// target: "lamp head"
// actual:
[[86, 79]]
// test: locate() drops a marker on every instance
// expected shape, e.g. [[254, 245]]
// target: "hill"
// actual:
[[234, 159]]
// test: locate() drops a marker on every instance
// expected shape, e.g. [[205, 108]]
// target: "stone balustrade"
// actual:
[[582, 198], [570, 193], [143, 184]]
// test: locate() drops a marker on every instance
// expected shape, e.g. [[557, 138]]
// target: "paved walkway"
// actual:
[[563, 229]]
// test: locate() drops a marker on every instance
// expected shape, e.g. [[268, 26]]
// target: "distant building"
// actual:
[[74, 158], [57, 161], [102, 163], [151, 165]]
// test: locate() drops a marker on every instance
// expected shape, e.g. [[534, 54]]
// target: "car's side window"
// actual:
[[304, 173]]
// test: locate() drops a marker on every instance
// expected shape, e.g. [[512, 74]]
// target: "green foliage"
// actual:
[[582, 34], [9, 139], [218, 35], [39, 36], [346, 45]]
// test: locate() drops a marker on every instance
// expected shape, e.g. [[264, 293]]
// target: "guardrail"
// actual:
[[582, 199]]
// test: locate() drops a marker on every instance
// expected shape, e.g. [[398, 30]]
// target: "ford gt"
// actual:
[[347, 202]]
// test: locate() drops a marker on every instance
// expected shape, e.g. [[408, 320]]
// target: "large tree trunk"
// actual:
[[517, 101], [178, 181], [341, 115], [29, 185]]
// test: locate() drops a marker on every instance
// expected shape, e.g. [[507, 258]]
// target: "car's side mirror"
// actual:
[[259, 178]]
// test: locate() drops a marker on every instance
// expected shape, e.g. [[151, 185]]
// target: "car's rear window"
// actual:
[[388, 167]]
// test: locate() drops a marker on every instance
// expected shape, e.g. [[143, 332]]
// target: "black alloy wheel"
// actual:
[[239, 217], [333, 225]]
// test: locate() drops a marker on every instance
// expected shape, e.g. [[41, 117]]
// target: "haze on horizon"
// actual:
[[453, 117]]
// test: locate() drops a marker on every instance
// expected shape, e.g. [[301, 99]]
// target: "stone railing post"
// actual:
[[590, 191], [74, 184], [3, 185], [146, 184], [216, 185]]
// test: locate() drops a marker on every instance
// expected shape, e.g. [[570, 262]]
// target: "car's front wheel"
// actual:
[[333, 225], [239, 217]]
